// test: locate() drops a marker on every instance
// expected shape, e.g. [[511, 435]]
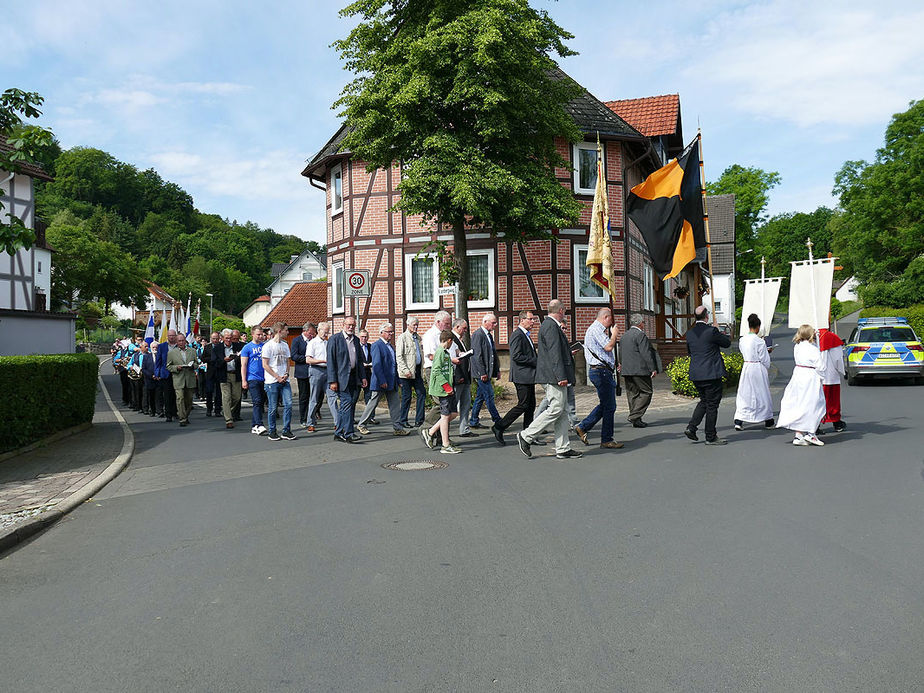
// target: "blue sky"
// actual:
[[228, 99]]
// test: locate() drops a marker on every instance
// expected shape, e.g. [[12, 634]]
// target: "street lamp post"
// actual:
[[210, 314]]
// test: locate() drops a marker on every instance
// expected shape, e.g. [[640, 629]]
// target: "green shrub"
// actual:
[[222, 322], [915, 315], [44, 394], [679, 372], [840, 309]]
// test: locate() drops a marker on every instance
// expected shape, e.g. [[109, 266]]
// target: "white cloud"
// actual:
[[811, 64]]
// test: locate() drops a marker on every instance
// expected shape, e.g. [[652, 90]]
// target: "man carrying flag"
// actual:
[[668, 209], [149, 331]]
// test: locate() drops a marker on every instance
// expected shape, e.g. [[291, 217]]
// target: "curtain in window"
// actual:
[[588, 168], [338, 288], [587, 287], [422, 280], [478, 289]]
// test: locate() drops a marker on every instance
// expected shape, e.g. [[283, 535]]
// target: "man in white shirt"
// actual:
[[275, 356], [600, 352], [431, 342], [316, 358]]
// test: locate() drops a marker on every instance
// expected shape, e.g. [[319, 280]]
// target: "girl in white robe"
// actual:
[[803, 405], [753, 400]]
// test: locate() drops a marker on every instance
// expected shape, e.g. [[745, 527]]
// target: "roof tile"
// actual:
[[652, 116], [304, 302]]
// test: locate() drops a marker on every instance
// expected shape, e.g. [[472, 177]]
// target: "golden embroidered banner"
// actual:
[[599, 249]]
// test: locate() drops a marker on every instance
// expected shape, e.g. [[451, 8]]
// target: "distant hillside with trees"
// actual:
[[114, 226]]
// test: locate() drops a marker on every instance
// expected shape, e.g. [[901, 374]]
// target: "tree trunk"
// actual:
[[460, 248]]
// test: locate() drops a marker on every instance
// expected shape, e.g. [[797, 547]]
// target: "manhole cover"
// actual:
[[415, 465]]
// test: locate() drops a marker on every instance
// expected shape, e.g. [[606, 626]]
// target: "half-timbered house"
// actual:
[[505, 277]]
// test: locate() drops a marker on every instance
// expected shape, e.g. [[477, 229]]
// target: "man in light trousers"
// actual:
[[555, 371]]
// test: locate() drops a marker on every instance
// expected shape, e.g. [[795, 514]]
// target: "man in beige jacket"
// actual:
[[409, 357], [182, 362]]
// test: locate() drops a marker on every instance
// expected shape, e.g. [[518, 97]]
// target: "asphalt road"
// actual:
[[221, 562]]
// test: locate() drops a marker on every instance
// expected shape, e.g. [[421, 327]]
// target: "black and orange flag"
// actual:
[[668, 209]]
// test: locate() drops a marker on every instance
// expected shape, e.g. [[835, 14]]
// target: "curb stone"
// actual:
[[37, 523]]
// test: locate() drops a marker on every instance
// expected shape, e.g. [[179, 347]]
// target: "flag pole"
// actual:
[[702, 179], [809, 244]]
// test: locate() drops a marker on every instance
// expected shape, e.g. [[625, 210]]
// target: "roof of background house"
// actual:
[[27, 169], [286, 266], [258, 299], [159, 292], [652, 115], [721, 210], [304, 302]]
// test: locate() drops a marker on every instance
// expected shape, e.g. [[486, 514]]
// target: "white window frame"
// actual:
[[334, 171], [335, 309], [648, 295], [409, 303], [575, 153], [576, 250], [492, 279]]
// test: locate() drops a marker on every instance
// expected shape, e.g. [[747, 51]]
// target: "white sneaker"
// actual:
[[812, 439], [261, 430], [800, 440], [255, 430]]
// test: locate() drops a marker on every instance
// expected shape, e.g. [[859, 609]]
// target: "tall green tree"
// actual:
[[465, 93], [880, 230], [87, 267], [751, 187], [25, 143]]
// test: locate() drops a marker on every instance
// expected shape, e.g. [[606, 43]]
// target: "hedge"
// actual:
[[44, 394], [915, 315], [679, 371]]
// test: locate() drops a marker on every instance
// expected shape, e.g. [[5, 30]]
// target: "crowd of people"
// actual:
[[356, 377]]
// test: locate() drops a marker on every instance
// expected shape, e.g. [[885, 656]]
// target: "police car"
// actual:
[[884, 347]]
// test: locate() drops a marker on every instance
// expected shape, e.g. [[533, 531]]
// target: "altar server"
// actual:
[[753, 400], [803, 405]]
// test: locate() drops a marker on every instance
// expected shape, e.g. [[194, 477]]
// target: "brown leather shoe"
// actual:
[[230, 424], [582, 435], [311, 429], [611, 445]]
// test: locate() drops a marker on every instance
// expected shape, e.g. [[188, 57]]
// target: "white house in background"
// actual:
[[305, 267], [847, 291], [721, 209], [158, 299], [26, 326], [258, 309]]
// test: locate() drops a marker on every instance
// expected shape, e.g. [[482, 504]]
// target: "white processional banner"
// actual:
[[760, 296], [810, 292]]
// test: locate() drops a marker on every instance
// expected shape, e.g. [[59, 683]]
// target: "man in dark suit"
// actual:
[[345, 377], [485, 367], [522, 375], [302, 375], [706, 371], [554, 371], [226, 361], [638, 366], [148, 383], [462, 377], [212, 390]]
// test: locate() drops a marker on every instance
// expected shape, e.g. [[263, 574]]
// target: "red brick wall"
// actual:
[[548, 264]]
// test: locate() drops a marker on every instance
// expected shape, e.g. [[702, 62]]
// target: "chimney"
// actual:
[[294, 258]]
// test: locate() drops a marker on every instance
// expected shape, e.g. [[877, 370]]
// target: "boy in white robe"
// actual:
[[803, 405], [753, 400]]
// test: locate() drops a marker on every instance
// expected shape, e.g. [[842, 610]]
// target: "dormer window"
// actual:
[[585, 167]]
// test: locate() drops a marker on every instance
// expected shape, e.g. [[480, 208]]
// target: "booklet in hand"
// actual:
[[465, 354]]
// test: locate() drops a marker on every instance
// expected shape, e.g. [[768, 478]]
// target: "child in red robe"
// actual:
[[831, 372]]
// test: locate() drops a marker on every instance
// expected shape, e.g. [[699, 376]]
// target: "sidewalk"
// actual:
[[39, 486]]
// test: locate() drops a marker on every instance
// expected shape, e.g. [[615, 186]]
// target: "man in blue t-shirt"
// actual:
[[252, 367]]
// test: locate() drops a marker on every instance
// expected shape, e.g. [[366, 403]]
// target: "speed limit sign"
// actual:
[[356, 283]]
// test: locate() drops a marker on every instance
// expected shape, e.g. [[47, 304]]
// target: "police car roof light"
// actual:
[[883, 321]]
